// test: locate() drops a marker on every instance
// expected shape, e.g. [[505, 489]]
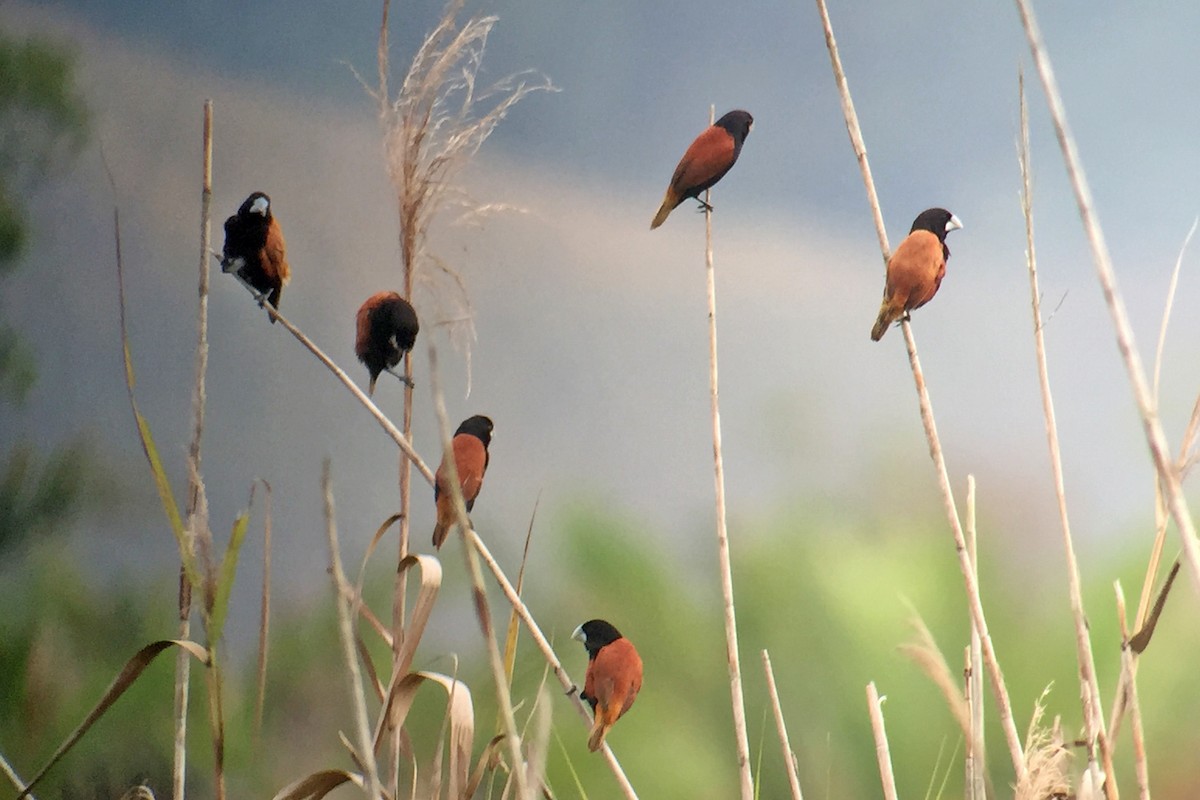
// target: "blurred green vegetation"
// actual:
[[825, 592], [43, 125]]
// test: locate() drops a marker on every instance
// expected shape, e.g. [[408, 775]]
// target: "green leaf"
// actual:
[[225, 576]]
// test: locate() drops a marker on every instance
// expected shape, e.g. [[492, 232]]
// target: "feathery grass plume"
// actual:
[[1047, 761], [924, 652], [432, 128]]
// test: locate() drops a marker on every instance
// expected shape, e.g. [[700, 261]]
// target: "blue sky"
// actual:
[[592, 335]]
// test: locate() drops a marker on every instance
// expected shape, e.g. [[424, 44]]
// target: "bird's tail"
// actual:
[[887, 315], [668, 205], [273, 299], [600, 728], [440, 531], [371, 385]]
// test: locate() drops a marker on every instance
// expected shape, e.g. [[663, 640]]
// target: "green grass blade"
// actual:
[[225, 576], [125, 678]]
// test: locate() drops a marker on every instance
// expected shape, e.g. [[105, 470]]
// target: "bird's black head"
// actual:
[[257, 203], [478, 426], [595, 633], [738, 123], [937, 221]]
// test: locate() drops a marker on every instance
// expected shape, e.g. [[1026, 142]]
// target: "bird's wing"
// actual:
[[708, 158], [276, 252]]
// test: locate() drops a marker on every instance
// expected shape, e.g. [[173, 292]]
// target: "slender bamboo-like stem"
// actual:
[[745, 774], [547, 651], [195, 510], [1003, 703], [1129, 677], [976, 757], [1089, 687], [346, 628], [853, 129], [999, 689], [882, 753], [789, 758], [1155, 438], [483, 611]]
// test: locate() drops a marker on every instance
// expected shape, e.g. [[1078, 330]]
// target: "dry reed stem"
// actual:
[[882, 753], [547, 651], [1155, 438], [789, 757], [1089, 686], [197, 509], [935, 448], [1129, 679], [999, 689], [853, 129], [13, 777], [976, 755], [346, 628], [731, 639], [479, 591], [1160, 510]]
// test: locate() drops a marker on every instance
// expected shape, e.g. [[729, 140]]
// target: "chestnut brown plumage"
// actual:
[[915, 270], [470, 450], [255, 250], [705, 162], [386, 328], [613, 679]]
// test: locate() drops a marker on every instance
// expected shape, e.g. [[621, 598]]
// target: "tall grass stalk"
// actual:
[[976, 755], [1089, 687], [733, 660], [346, 632], [1155, 438], [478, 590], [1007, 723], [1129, 679], [882, 752], [789, 757], [547, 651]]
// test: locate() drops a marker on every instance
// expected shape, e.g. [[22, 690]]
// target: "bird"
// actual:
[[613, 679], [386, 328], [255, 250], [470, 450], [915, 270], [705, 162]]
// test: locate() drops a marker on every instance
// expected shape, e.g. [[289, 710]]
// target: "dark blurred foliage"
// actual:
[[43, 125]]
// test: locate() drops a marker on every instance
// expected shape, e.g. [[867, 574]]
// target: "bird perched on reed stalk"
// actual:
[[705, 162], [915, 270], [386, 328], [613, 678], [255, 250], [469, 447]]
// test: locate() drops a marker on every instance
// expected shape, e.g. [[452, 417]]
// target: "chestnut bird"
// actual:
[[705, 162], [915, 270], [613, 679]]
